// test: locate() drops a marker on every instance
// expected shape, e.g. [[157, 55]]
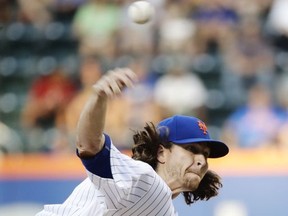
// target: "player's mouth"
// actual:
[[193, 172]]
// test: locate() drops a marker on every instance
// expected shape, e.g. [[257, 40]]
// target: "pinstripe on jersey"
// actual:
[[135, 189]]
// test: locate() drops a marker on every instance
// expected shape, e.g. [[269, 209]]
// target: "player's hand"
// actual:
[[114, 82]]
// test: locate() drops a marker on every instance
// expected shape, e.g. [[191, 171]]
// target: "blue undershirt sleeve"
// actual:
[[100, 163]]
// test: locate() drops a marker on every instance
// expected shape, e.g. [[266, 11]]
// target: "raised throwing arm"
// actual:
[[90, 138]]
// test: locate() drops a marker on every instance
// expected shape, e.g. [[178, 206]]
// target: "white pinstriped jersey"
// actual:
[[135, 189]]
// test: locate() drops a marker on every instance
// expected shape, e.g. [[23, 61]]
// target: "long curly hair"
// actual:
[[145, 148]]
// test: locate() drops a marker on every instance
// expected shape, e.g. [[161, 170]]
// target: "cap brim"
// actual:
[[217, 148]]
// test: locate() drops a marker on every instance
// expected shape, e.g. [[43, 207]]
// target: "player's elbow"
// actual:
[[89, 148], [85, 152]]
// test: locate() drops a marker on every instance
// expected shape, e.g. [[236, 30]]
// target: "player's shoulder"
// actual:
[[124, 163], [144, 166]]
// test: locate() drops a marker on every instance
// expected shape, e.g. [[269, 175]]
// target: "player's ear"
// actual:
[[161, 154]]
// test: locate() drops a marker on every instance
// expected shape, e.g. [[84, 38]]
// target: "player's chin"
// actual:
[[192, 181]]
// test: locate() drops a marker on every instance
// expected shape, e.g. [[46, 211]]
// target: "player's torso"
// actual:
[[138, 200]]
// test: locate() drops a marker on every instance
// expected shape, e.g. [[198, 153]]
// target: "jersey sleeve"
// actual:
[[100, 164]]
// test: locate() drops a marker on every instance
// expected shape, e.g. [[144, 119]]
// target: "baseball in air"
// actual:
[[141, 12]]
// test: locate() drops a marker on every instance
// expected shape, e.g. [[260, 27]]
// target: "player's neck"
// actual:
[[175, 187], [173, 184]]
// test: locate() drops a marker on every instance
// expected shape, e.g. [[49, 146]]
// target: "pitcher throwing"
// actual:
[[168, 159]]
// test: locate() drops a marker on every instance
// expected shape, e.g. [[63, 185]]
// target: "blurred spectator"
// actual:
[[64, 10], [257, 123], [43, 109], [37, 13], [95, 24], [248, 59], [117, 121], [282, 92], [257, 9], [176, 30], [140, 99], [10, 140], [282, 89], [278, 24], [282, 137], [7, 11], [138, 105], [240, 41], [180, 91], [215, 22], [89, 72]]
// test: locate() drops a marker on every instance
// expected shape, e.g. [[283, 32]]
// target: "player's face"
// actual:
[[187, 164]]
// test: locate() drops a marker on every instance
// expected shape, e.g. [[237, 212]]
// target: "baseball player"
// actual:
[[167, 159]]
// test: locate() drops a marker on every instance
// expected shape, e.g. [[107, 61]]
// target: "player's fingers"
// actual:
[[125, 77], [107, 85], [113, 83], [131, 74], [101, 88]]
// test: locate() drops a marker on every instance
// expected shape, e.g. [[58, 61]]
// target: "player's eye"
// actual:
[[192, 149], [206, 153], [198, 149]]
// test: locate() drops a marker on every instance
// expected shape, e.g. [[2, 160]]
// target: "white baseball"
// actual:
[[141, 12]]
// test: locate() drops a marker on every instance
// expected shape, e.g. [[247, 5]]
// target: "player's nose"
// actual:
[[200, 160]]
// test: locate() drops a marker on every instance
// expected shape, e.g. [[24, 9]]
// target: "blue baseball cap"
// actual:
[[180, 129]]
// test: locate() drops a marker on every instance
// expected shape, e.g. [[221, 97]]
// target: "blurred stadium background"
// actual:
[[223, 60]]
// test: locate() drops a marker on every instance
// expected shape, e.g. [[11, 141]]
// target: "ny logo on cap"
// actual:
[[202, 126]]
